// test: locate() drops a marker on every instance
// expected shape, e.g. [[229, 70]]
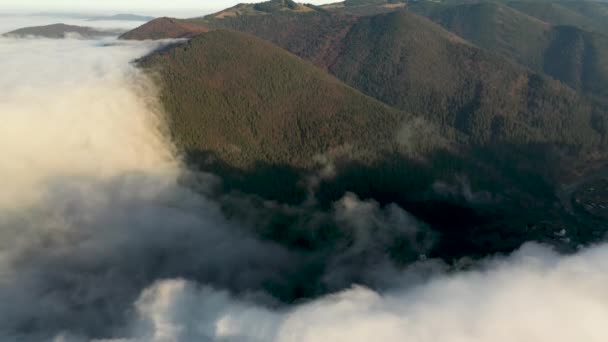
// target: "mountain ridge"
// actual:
[[164, 28], [59, 31]]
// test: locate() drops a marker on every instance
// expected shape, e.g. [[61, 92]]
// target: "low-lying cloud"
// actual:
[[535, 295], [106, 236]]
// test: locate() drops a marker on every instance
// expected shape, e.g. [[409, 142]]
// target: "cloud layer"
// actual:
[[535, 295]]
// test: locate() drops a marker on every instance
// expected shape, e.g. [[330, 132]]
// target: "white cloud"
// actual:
[[74, 109], [534, 295]]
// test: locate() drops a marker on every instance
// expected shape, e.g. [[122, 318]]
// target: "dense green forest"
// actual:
[[250, 102], [566, 52]]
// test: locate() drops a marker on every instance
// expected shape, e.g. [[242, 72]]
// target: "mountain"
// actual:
[[579, 59], [414, 65], [410, 63], [164, 28], [505, 30], [59, 31], [587, 15], [391, 107], [248, 101], [366, 7], [262, 8], [567, 53], [278, 127], [121, 17], [314, 36], [584, 14]]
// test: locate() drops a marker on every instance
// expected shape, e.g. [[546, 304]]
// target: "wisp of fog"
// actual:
[[104, 238]]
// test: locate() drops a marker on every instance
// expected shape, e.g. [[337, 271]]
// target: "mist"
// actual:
[[106, 235]]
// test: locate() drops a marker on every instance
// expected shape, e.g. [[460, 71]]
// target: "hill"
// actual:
[[579, 59], [412, 64], [247, 101], [315, 36], [487, 141], [408, 62], [566, 53], [262, 8], [366, 7], [60, 31], [493, 26], [587, 15], [164, 28], [584, 14]]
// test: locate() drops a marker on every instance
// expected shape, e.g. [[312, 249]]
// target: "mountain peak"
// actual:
[[263, 8], [163, 28]]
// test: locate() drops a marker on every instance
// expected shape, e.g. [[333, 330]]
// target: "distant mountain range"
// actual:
[[402, 101], [121, 17], [60, 31], [96, 17]]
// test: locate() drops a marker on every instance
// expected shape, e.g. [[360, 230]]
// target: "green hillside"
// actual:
[[410, 63], [164, 28], [493, 26], [250, 102], [262, 8], [579, 59], [569, 54], [587, 15], [366, 7], [314, 36], [488, 138], [266, 121]]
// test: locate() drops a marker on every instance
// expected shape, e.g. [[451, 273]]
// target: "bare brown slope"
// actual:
[[164, 28]]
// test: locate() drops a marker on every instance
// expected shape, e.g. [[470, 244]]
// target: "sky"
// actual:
[[157, 7]]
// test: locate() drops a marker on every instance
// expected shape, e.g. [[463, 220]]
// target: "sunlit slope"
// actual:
[[248, 101], [164, 28], [415, 65]]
